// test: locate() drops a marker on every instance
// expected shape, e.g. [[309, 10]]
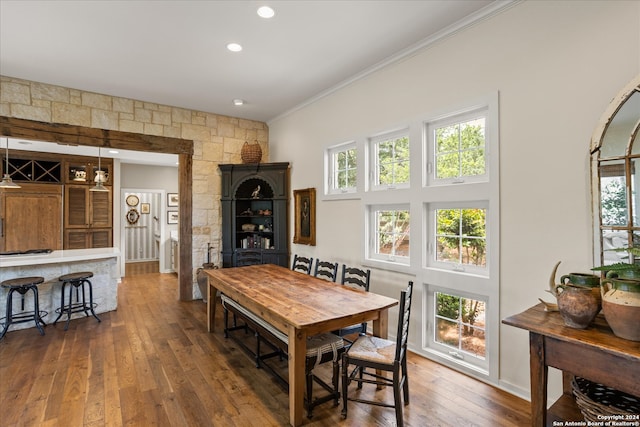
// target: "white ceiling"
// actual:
[[173, 52]]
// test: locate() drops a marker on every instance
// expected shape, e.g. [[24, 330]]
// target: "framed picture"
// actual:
[[172, 199], [172, 217], [305, 216], [145, 208]]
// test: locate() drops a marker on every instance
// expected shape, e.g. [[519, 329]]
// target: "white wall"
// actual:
[[556, 66]]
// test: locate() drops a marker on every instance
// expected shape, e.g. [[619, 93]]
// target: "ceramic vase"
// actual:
[[577, 305], [586, 280], [621, 307]]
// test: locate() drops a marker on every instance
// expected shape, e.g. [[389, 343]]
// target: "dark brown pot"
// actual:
[[577, 305]]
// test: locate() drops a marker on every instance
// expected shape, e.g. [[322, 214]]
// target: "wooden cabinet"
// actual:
[[31, 217], [88, 238], [37, 216], [88, 217], [255, 205]]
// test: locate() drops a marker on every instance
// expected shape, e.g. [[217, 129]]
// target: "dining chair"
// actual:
[[369, 352], [248, 257], [359, 279], [326, 270], [302, 264]]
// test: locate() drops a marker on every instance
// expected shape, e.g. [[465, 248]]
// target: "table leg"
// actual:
[[539, 374], [211, 306], [297, 354], [381, 329]]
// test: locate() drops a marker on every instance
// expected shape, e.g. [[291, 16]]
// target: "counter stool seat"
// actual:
[[76, 281], [22, 285]]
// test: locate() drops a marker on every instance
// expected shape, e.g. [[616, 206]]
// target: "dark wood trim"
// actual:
[[80, 135]]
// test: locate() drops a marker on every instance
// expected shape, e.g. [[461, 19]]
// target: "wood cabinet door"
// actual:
[[76, 206], [100, 208], [31, 217]]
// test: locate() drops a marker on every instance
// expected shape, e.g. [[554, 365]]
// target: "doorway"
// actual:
[[142, 233]]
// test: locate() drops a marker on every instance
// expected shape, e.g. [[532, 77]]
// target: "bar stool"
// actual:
[[76, 281], [22, 285]]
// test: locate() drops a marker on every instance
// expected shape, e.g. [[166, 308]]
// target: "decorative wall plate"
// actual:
[[132, 200], [133, 216]]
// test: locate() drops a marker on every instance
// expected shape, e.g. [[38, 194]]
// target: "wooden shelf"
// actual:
[[564, 409]]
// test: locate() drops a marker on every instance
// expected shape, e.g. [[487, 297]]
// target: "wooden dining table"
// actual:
[[299, 305]]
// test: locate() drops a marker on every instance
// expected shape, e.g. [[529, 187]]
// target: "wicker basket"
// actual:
[[251, 153], [596, 400]]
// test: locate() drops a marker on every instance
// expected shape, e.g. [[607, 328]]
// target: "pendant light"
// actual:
[[99, 186], [7, 182]]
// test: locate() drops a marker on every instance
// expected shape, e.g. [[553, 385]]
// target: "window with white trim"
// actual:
[[458, 236], [342, 169], [390, 233], [390, 160], [458, 145], [460, 321]]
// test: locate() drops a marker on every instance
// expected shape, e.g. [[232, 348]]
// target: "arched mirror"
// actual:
[[615, 171]]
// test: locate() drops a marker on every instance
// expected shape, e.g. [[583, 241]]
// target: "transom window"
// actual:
[[391, 160], [342, 168], [459, 149]]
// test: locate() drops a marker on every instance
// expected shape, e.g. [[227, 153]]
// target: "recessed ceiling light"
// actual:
[[234, 47], [266, 12], [113, 151], [238, 101]]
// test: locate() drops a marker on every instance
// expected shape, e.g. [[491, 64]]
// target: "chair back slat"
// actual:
[[404, 316], [326, 270], [302, 264], [356, 276]]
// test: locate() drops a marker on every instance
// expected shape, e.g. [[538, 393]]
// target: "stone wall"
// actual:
[[217, 139]]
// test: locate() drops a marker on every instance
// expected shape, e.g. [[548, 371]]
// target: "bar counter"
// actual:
[[102, 262]]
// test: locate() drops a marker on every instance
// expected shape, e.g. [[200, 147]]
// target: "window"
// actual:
[[391, 160], [342, 168], [390, 240], [460, 329], [459, 149], [436, 182], [460, 236]]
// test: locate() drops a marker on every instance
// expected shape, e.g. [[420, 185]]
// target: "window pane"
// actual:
[[472, 163], [460, 324], [447, 166], [613, 193], [386, 174], [447, 333]]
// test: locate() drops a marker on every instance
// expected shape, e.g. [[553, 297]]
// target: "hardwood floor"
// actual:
[[152, 362], [144, 267]]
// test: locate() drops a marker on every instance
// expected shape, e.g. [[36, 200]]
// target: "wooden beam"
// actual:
[[94, 137]]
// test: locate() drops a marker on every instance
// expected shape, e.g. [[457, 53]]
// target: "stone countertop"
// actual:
[[54, 257]]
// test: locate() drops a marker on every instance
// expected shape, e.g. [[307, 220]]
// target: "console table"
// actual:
[[594, 353]]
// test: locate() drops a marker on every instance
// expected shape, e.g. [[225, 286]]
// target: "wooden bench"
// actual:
[[321, 348]]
